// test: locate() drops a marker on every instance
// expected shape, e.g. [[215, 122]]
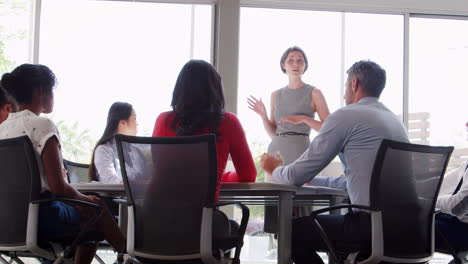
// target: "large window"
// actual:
[[105, 51], [15, 33], [264, 35], [380, 39], [437, 98], [333, 41]]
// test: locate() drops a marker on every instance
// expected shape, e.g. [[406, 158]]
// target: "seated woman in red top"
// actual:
[[198, 108]]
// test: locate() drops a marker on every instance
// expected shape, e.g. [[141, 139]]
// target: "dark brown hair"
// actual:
[[25, 79], [117, 112], [198, 99]]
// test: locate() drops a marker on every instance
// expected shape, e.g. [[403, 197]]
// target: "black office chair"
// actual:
[[79, 173], [171, 210], [20, 197], [404, 186], [76, 172]]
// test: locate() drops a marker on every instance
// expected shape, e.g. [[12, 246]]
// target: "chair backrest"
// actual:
[[20, 184], [404, 187], [76, 172], [168, 205]]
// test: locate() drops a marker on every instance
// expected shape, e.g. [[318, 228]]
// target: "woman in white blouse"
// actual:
[[105, 166], [32, 85]]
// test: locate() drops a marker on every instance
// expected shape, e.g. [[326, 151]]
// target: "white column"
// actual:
[[226, 48]]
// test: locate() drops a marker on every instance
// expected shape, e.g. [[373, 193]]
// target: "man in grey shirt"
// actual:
[[357, 131]]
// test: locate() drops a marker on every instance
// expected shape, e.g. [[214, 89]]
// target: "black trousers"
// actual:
[[453, 231], [348, 233]]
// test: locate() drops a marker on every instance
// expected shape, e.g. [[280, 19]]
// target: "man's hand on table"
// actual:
[[269, 163]]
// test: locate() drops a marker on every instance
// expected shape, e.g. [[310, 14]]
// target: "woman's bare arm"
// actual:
[[319, 104], [52, 162], [258, 107]]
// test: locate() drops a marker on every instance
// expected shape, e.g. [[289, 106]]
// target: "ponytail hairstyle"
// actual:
[[118, 111]]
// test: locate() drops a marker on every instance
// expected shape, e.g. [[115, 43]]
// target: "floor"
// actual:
[[255, 251]]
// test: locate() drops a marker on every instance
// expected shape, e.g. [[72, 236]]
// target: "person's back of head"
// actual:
[[370, 75], [198, 99], [27, 81]]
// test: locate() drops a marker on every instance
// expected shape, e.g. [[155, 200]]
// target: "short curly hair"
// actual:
[[25, 79]]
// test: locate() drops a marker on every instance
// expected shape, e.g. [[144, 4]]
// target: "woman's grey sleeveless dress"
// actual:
[[291, 140]]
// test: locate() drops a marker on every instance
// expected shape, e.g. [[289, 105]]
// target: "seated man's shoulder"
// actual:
[[345, 112]]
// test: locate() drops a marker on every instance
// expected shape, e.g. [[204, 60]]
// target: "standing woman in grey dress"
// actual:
[[293, 108], [292, 115]]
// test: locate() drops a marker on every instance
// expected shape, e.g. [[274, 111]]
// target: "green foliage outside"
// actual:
[[11, 8], [258, 147], [5, 64], [77, 143]]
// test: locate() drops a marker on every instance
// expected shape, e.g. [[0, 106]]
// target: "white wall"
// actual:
[[438, 7]]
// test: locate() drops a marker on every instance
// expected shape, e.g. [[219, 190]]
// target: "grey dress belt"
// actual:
[[292, 134]]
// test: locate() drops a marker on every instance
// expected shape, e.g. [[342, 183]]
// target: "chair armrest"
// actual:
[[121, 201], [245, 214], [340, 206], [242, 227], [43, 200], [245, 210], [323, 234], [72, 201], [79, 202]]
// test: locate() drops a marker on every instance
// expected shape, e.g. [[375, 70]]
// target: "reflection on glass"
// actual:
[[106, 51], [365, 39], [438, 67]]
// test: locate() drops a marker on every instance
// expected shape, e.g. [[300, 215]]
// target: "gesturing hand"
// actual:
[[257, 106], [295, 119], [269, 163]]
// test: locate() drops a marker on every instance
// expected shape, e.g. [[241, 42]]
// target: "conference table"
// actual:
[[257, 193]]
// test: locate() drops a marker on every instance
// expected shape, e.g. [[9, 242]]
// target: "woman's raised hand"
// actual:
[[295, 119], [257, 106]]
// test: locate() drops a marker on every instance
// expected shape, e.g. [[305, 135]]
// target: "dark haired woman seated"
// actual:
[[105, 165], [198, 108], [32, 87]]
